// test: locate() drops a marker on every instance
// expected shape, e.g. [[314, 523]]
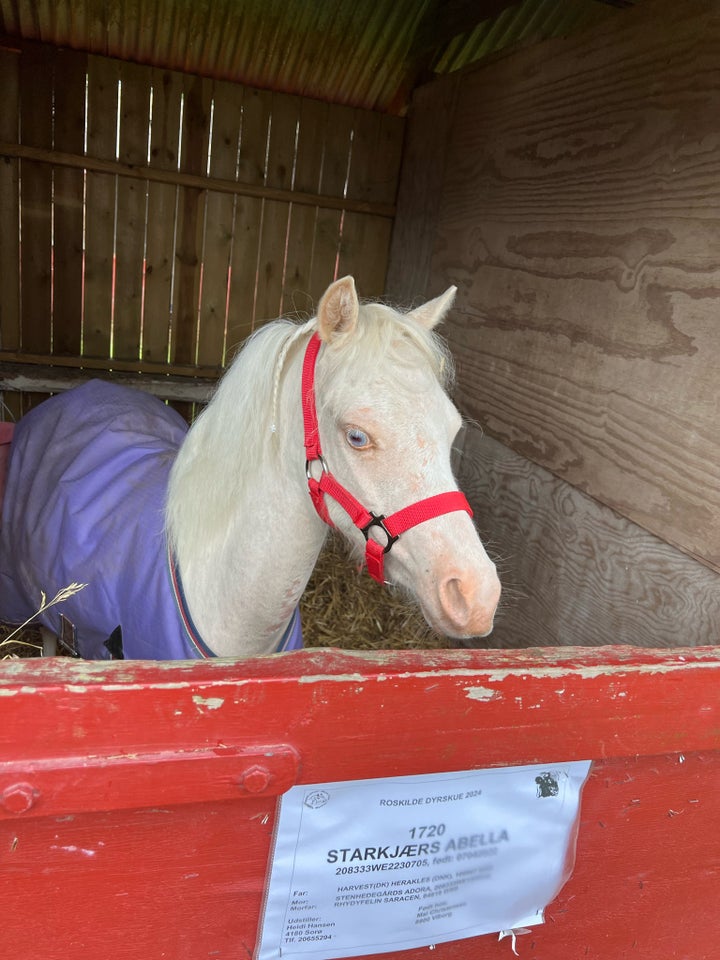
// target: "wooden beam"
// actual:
[[47, 379], [110, 364], [177, 178]]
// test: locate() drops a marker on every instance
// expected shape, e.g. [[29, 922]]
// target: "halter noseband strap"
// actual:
[[391, 526]]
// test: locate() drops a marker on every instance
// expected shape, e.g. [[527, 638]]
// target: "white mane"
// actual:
[[230, 437]]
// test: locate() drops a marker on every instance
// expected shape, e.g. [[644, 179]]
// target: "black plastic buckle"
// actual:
[[379, 521]]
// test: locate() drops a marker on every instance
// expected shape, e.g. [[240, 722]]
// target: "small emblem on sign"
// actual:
[[317, 798], [547, 785]]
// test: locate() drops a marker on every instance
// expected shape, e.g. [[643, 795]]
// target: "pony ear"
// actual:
[[338, 309], [430, 314]]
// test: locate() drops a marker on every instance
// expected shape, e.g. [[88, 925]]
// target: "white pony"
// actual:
[[387, 426], [201, 543]]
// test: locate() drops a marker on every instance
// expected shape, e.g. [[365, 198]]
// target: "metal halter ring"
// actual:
[[309, 464]]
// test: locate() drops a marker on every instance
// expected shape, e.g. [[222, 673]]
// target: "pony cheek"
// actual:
[[458, 593]]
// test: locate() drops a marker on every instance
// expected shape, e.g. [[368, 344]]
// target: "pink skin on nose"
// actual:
[[468, 602]]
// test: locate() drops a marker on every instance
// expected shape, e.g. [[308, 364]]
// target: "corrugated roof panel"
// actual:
[[356, 52], [529, 21]]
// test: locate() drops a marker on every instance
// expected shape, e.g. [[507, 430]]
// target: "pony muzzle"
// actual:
[[468, 602]]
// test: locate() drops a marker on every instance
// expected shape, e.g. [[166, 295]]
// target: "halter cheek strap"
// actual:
[[325, 485]]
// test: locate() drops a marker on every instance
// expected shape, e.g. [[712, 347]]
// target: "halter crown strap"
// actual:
[[326, 484]]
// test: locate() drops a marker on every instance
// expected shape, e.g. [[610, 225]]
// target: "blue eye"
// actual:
[[357, 438]]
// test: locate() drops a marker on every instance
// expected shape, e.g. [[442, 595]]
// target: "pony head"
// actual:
[[387, 426]]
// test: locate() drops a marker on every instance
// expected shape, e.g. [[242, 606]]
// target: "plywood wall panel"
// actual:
[[575, 571], [420, 191], [580, 219]]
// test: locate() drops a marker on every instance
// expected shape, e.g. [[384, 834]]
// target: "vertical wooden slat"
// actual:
[[219, 223], [9, 223], [131, 203], [280, 167], [248, 215], [9, 206], [386, 166], [298, 295], [70, 71], [36, 70], [162, 209], [365, 238], [100, 207], [336, 157], [196, 120]]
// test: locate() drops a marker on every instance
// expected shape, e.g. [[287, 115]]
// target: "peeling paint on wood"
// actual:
[[133, 740]]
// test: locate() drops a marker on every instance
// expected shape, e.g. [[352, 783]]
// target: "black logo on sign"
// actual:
[[547, 785]]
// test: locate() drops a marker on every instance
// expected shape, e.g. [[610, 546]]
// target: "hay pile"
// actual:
[[341, 607], [26, 643], [345, 608]]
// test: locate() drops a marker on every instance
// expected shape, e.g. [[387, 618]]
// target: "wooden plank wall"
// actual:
[[579, 216], [164, 216]]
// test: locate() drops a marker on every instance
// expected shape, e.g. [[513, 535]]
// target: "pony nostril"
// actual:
[[454, 602], [469, 604]]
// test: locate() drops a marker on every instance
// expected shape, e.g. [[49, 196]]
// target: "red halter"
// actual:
[[392, 526]]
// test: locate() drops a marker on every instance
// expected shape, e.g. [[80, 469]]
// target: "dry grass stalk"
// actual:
[[20, 638]]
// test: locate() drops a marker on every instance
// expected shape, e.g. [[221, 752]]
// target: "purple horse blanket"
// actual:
[[85, 494]]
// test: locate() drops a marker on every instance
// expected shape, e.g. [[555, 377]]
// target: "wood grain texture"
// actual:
[[373, 173], [580, 219], [165, 215], [419, 191], [10, 404], [279, 170], [9, 204], [573, 570], [191, 219], [162, 202], [101, 189], [338, 139], [68, 190], [36, 115], [219, 222], [298, 293], [131, 217], [19, 377], [257, 110]]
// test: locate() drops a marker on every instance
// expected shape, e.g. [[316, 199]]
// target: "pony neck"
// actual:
[[244, 531]]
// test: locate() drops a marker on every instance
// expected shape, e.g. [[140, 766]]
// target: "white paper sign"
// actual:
[[369, 866]]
